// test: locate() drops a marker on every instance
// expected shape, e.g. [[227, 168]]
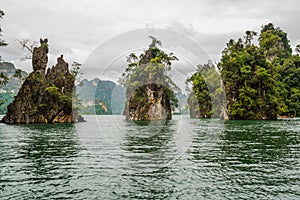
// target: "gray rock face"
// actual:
[[44, 98], [40, 57], [148, 102], [150, 98]]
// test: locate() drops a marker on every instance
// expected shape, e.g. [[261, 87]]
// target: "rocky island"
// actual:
[[260, 79], [150, 91], [45, 96]]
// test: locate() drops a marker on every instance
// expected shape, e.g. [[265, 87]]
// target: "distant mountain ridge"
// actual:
[[101, 97], [105, 97], [11, 89]]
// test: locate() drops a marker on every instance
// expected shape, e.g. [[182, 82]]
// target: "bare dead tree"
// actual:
[[29, 46]]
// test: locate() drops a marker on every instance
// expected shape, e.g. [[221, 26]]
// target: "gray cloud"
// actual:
[[77, 28]]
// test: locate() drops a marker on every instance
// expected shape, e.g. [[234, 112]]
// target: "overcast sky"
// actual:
[[84, 30]]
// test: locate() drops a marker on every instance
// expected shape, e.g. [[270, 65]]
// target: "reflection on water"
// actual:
[[36, 154], [148, 139], [47, 145], [254, 143], [146, 153], [257, 159], [110, 158]]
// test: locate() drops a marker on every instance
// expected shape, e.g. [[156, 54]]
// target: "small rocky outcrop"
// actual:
[[40, 57], [44, 97]]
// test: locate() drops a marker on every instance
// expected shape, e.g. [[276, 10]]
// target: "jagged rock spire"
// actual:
[[40, 57]]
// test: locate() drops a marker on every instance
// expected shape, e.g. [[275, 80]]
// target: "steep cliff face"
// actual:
[[149, 102], [44, 97]]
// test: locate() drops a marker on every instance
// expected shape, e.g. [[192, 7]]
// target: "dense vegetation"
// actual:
[[260, 81], [207, 95], [152, 65], [148, 85]]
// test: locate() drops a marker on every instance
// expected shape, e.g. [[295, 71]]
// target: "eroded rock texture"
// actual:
[[44, 97], [149, 102]]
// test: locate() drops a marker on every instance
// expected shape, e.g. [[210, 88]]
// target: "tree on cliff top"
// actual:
[[150, 91], [275, 43], [152, 66], [251, 88], [286, 67]]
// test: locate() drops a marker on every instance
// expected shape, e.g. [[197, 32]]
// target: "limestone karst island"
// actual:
[[185, 100], [44, 97], [254, 80], [150, 91]]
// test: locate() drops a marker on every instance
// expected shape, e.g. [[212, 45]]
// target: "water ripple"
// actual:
[[182, 159]]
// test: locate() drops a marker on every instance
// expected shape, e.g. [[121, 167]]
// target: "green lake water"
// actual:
[[110, 158]]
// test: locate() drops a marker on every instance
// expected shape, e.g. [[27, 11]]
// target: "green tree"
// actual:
[[249, 37], [154, 42], [77, 75], [274, 42], [21, 75], [289, 76], [148, 72], [76, 71], [297, 49], [286, 68], [3, 79], [250, 86], [200, 97], [206, 95]]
